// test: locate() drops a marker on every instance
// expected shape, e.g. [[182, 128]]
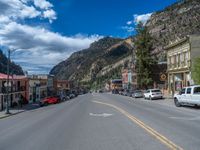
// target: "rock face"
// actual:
[[87, 64], [176, 21], [14, 69]]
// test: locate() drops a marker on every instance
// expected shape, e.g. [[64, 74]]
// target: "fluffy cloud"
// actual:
[[130, 25], [39, 46], [18, 36], [38, 49], [142, 18], [22, 9], [42, 4], [50, 14]]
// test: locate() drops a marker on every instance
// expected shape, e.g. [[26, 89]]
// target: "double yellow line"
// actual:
[[151, 131]]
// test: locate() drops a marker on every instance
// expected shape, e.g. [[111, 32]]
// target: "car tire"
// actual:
[[45, 104], [176, 102]]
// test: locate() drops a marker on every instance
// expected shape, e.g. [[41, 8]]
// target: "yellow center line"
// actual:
[[151, 131]]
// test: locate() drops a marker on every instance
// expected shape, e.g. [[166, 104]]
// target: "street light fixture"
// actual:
[[7, 83]]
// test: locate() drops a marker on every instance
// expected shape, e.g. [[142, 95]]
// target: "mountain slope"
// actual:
[[14, 69], [86, 64], [174, 22], [105, 57]]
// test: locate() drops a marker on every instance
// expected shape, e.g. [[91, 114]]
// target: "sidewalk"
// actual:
[[18, 110]]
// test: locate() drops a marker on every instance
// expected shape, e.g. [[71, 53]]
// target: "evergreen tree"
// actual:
[[144, 61], [196, 71]]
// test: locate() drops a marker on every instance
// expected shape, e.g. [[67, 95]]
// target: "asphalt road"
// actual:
[[103, 122]]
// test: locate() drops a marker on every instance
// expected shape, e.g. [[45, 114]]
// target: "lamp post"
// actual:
[[7, 83]]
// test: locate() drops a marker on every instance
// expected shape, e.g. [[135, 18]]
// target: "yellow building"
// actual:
[[180, 57]]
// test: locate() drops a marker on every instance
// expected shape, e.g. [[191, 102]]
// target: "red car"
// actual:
[[49, 100]]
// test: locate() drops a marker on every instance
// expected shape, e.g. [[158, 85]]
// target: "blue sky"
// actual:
[[103, 17], [42, 33]]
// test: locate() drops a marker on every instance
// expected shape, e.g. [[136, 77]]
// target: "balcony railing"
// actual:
[[13, 89]]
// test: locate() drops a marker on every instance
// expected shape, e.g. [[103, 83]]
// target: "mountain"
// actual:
[[174, 22], [14, 68], [88, 64], [105, 58]]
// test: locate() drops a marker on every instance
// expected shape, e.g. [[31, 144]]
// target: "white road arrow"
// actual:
[[101, 115]]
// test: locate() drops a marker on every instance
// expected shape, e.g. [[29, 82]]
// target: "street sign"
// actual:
[[163, 77]]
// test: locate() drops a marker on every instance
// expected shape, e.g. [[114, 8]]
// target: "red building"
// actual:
[[18, 89]]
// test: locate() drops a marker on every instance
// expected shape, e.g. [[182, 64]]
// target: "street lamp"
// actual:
[[7, 83]]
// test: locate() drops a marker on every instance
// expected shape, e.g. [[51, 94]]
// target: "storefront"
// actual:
[[178, 80]]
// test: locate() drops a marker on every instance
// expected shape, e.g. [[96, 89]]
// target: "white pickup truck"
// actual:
[[188, 96]]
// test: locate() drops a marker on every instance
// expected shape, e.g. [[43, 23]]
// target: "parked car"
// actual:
[[120, 92], [49, 100], [129, 93], [125, 92], [63, 95], [115, 91], [137, 94], [74, 92], [153, 94], [188, 96]]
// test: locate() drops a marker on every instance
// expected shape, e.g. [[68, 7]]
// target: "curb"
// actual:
[[6, 116]]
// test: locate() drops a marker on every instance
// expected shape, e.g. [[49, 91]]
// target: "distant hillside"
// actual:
[[176, 21], [87, 64], [14, 69]]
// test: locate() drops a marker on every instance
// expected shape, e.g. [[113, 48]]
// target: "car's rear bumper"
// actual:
[[156, 96]]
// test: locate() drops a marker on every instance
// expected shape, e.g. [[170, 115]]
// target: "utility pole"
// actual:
[[7, 83]]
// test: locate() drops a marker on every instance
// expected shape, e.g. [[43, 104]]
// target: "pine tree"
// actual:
[[196, 71], [144, 61]]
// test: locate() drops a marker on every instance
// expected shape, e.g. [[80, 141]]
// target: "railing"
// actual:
[[13, 89]]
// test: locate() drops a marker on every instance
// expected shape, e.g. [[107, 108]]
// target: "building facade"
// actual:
[[18, 90], [125, 81], [116, 84], [38, 87], [60, 85], [180, 57]]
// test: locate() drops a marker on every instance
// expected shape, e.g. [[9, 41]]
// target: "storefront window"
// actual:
[[178, 85]]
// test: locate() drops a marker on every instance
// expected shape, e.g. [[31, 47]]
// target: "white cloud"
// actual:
[[4, 19], [142, 18], [38, 49], [129, 22], [42, 4], [39, 46], [50, 14], [22, 9]]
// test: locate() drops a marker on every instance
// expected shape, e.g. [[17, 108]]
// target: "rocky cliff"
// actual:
[[174, 22], [87, 64]]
